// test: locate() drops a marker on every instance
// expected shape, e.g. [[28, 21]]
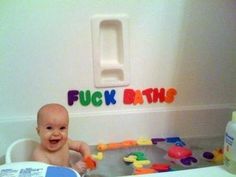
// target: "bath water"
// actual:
[[113, 165]]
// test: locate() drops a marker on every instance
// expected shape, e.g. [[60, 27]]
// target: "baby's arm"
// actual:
[[38, 155], [81, 147]]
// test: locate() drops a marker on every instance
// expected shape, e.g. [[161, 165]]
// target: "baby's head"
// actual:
[[52, 126]]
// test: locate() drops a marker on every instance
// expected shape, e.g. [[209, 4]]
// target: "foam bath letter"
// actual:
[[96, 98], [144, 141], [129, 95], [158, 94], [148, 94], [72, 96], [85, 98], [170, 95], [98, 156], [138, 99], [109, 97]]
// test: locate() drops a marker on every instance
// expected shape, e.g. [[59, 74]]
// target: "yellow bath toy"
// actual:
[[141, 163], [102, 147], [144, 141], [98, 156], [218, 155], [130, 158]]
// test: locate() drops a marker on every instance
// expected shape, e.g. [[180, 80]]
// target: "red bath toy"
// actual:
[[90, 163], [178, 152], [161, 167]]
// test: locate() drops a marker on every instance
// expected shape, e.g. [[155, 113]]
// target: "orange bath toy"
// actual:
[[140, 171], [112, 146], [98, 156], [90, 163]]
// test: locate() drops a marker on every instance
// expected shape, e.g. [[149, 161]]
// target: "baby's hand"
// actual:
[[90, 163], [80, 166]]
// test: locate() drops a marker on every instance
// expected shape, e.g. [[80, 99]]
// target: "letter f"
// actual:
[[72, 96]]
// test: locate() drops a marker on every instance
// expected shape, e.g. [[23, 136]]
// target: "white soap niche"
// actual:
[[110, 50]]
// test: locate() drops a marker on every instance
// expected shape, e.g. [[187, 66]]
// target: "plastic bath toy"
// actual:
[[112, 146], [140, 171], [130, 158], [144, 141], [98, 156], [90, 163], [161, 167], [175, 140], [102, 147], [181, 155], [156, 140], [141, 163], [139, 155], [138, 159], [216, 156], [178, 152]]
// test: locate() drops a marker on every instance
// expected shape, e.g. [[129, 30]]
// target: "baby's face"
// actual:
[[53, 129]]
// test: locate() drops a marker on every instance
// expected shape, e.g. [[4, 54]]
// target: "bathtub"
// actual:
[[217, 171], [206, 169], [112, 164], [184, 123]]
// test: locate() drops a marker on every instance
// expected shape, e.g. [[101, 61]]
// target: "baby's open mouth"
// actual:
[[54, 141]]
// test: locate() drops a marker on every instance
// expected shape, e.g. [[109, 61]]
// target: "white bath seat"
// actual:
[[35, 169], [20, 150]]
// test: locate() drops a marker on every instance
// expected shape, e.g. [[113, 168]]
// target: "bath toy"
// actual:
[[172, 139], [102, 147], [161, 167], [140, 171], [139, 155], [152, 95], [178, 152], [129, 143], [141, 163], [156, 140], [130, 158], [87, 97], [90, 163], [98, 156], [110, 97], [208, 156], [181, 155], [144, 141], [175, 140], [188, 161], [216, 156], [112, 146], [138, 98], [138, 159]]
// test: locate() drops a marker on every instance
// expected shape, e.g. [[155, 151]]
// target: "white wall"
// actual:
[[46, 50]]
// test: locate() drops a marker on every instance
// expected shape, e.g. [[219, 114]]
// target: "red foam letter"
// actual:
[[138, 99], [158, 95], [170, 95], [148, 94], [128, 96]]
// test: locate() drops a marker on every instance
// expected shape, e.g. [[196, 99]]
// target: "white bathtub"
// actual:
[[183, 123], [217, 171]]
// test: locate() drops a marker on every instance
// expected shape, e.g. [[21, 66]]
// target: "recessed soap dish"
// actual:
[[110, 50]]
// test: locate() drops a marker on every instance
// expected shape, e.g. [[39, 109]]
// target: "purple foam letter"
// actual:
[[72, 96]]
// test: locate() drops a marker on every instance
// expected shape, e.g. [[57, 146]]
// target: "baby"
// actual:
[[52, 128]]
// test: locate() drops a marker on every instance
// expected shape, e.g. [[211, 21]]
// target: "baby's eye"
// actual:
[[62, 128], [49, 128]]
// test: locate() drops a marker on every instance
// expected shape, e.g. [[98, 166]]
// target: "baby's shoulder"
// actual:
[[38, 153]]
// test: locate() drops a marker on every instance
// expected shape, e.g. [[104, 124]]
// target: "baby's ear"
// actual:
[[37, 129]]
